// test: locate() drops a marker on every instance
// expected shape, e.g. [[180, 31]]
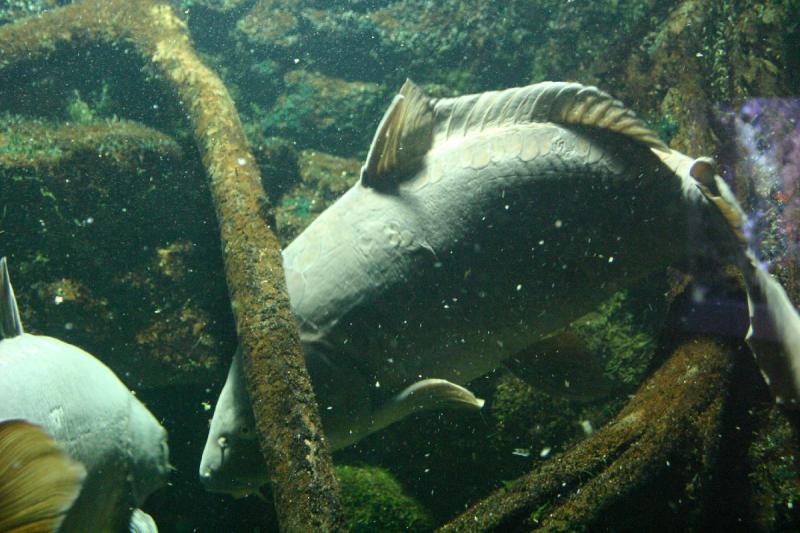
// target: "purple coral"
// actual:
[[767, 155]]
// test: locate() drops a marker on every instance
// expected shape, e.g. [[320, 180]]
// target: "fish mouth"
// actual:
[[236, 478], [238, 489]]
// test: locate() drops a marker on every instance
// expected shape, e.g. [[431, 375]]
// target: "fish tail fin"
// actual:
[[10, 324], [38, 482], [774, 333]]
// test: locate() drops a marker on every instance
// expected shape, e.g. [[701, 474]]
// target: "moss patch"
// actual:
[[373, 500]]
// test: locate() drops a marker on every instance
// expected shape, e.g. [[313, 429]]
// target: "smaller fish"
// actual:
[[109, 440], [38, 481]]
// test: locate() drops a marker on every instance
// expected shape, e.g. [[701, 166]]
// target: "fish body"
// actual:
[[463, 265], [90, 413], [480, 225]]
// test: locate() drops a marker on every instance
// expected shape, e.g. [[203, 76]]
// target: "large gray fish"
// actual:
[[115, 448], [480, 225]]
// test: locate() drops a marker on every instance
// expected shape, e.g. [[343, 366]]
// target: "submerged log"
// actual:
[[666, 436], [288, 422]]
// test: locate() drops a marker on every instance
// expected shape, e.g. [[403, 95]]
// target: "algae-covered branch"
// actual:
[[305, 488]]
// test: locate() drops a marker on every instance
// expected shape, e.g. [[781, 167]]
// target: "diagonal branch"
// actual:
[[288, 422], [669, 430]]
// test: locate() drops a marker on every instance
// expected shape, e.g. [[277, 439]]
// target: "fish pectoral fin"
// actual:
[[142, 522], [38, 482], [433, 394]]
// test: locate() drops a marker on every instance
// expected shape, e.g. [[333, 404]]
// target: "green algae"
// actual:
[[775, 474], [85, 250], [373, 500], [329, 114]]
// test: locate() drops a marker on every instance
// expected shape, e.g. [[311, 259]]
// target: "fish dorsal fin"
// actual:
[[558, 102], [38, 482], [716, 191], [10, 324], [402, 139]]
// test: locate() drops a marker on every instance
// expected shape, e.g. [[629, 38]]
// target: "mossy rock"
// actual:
[[323, 179], [323, 112], [374, 501], [107, 241], [775, 476]]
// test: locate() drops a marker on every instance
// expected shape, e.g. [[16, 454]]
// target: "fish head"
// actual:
[[232, 462], [149, 452]]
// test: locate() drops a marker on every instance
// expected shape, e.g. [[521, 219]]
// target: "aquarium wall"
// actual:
[[112, 234]]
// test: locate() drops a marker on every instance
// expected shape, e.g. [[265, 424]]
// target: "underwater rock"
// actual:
[[662, 442], [525, 420], [123, 283], [271, 23], [607, 351], [373, 500], [774, 476], [457, 43], [220, 6], [324, 113], [324, 178], [277, 160], [40, 146], [12, 10]]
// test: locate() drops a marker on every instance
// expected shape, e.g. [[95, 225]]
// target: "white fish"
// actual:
[[91, 415], [480, 225]]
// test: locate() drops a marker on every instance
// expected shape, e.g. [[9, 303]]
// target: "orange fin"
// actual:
[[38, 482]]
